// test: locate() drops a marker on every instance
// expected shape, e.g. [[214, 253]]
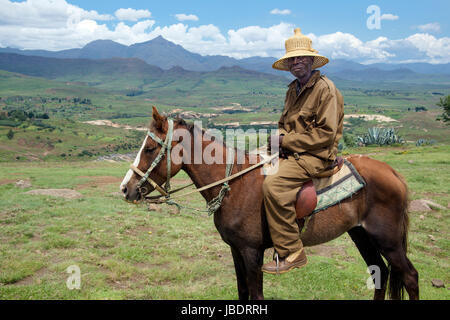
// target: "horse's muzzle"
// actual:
[[131, 194]]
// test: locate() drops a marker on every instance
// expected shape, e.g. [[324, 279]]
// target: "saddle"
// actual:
[[306, 201]]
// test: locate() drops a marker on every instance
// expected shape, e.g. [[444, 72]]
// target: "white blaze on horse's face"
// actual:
[[136, 164]]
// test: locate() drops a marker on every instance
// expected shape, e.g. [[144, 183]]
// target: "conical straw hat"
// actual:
[[299, 45]]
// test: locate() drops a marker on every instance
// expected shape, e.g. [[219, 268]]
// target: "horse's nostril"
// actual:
[[124, 190]]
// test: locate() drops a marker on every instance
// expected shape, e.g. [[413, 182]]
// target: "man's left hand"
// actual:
[[276, 146]]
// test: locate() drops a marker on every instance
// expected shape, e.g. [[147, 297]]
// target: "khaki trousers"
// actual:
[[280, 193]]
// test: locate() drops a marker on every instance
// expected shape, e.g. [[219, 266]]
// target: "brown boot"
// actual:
[[282, 265]]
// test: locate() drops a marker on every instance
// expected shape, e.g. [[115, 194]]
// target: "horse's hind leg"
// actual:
[[241, 275], [391, 241], [413, 282], [372, 257], [402, 272]]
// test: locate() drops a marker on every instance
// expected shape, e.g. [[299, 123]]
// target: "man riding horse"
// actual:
[[376, 217], [309, 131]]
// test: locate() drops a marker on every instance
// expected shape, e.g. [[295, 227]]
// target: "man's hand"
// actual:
[[274, 145]]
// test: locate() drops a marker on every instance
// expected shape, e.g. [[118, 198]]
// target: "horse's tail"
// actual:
[[396, 285]]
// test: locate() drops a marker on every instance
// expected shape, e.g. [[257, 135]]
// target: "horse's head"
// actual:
[[153, 153]]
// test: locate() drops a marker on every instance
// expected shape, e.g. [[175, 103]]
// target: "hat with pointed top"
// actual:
[[299, 45]]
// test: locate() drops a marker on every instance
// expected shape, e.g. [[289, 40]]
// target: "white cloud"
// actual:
[[433, 27], [258, 41], [436, 50], [389, 16], [346, 46], [132, 14], [44, 13], [57, 25], [283, 12], [186, 17]]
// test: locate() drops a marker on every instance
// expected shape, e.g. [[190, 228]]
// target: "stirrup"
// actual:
[[276, 257]]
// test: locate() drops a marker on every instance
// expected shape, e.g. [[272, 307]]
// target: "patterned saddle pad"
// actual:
[[340, 186]]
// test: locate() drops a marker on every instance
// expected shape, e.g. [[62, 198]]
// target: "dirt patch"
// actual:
[[32, 144], [370, 117], [98, 182], [324, 250], [18, 183], [61, 193], [114, 125], [424, 205], [23, 184], [35, 278], [6, 181]]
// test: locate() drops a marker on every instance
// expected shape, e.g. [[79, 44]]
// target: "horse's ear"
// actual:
[[159, 119]]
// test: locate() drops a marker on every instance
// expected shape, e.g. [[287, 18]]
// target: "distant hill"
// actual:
[[165, 54], [106, 58], [53, 68], [396, 75], [126, 73], [158, 52]]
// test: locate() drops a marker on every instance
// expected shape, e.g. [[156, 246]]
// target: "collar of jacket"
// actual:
[[312, 80]]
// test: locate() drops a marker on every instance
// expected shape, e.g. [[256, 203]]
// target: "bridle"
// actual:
[[166, 146]]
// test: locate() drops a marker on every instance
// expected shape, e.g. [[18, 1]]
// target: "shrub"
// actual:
[[349, 140], [380, 136], [10, 134], [418, 109], [85, 153], [424, 142], [445, 104]]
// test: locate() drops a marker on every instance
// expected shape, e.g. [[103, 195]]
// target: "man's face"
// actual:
[[300, 66]]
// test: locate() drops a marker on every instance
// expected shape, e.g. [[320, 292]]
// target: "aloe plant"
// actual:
[[424, 142], [380, 136]]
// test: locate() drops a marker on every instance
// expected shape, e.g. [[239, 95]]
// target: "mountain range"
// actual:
[[159, 54]]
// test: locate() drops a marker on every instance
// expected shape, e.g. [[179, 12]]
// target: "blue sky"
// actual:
[[346, 15], [409, 30]]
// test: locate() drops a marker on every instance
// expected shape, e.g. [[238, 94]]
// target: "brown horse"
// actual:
[[376, 217]]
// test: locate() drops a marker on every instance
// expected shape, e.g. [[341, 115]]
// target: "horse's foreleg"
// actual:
[[241, 275], [372, 257], [253, 259]]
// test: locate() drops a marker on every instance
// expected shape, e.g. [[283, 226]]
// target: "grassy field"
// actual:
[[125, 251]]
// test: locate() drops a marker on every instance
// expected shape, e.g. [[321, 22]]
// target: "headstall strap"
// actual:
[[165, 146]]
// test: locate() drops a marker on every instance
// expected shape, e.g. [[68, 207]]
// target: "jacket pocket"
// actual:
[[311, 164], [307, 119]]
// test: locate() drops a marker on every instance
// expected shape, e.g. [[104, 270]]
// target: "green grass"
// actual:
[[125, 251], [65, 141]]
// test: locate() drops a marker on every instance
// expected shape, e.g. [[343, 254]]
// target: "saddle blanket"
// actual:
[[338, 187]]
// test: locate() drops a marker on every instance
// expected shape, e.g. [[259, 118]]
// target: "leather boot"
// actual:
[[282, 265]]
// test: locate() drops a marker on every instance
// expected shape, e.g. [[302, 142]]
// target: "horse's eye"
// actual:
[[150, 149]]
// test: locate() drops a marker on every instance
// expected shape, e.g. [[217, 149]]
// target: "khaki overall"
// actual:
[[312, 124]]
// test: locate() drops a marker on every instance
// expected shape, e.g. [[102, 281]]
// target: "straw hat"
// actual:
[[297, 46]]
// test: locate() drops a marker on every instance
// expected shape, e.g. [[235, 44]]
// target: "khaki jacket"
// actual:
[[312, 122]]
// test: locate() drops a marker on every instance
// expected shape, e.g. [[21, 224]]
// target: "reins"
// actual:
[[214, 204]]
